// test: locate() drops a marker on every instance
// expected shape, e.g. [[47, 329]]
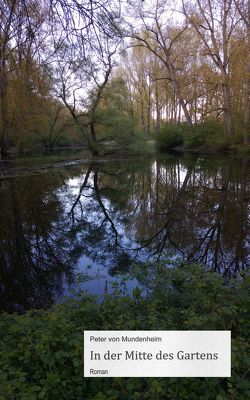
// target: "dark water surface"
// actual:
[[104, 217]]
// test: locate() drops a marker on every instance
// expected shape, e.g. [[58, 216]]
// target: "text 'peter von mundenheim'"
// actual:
[[125, 339]]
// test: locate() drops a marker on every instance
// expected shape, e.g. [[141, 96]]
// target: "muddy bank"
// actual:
[[12, 169]]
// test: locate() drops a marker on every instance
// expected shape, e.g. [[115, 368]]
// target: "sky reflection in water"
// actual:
[[114, 214]]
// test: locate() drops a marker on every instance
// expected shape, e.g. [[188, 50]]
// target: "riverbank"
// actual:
[[214, 150], [164, 142], [35, 164], [204, 138], [44, 162], [49, 164]]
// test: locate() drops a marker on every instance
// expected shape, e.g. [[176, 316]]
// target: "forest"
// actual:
[[90, 73]]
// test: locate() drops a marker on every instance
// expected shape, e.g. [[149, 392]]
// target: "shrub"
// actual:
[[207, 133], [41, 351], [169, 137]]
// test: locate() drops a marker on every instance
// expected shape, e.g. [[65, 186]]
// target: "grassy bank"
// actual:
[[42, 351]]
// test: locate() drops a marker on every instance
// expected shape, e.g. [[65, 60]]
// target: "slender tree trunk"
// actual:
[[179, 114], [21, 141], [93, 132], [177, 90], [93, 142], [247, 112], [178, 96], [227, 110], [157, 122], [175, 108], [142, 117], [227, 116], [195, 109], [183, 105], [4, 109], [247, 94], [22, 119], [148, 115]]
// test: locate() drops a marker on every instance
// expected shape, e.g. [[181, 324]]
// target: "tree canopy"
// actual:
[[59, 60]]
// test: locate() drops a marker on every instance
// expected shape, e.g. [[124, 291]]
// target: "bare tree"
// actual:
[[79, 83], [215, 23], [86, 40], [160, 38]]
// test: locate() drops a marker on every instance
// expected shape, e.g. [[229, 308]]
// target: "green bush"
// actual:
[[169, 137], [42, 351], [207, 133]]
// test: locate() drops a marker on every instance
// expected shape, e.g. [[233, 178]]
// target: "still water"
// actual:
[[104, 217]]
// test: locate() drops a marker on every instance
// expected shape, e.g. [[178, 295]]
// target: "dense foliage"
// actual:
[[205, 135], [170, 136], [42, 351]]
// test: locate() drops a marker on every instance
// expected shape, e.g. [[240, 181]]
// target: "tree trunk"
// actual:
[[179, 114], [93, 144], [148, 115], [172, 71], [186, 113], [247, 111], [142, 118], [21, 139], [247, 95], [177, 90], [227, 117], [4, 109], [157, 122]]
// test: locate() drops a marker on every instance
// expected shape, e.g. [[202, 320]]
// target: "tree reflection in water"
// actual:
[[35, 253], [198, 211], [204, 216], [118, 213]]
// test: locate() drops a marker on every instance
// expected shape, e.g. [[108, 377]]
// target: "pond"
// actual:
[[104, 217]]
